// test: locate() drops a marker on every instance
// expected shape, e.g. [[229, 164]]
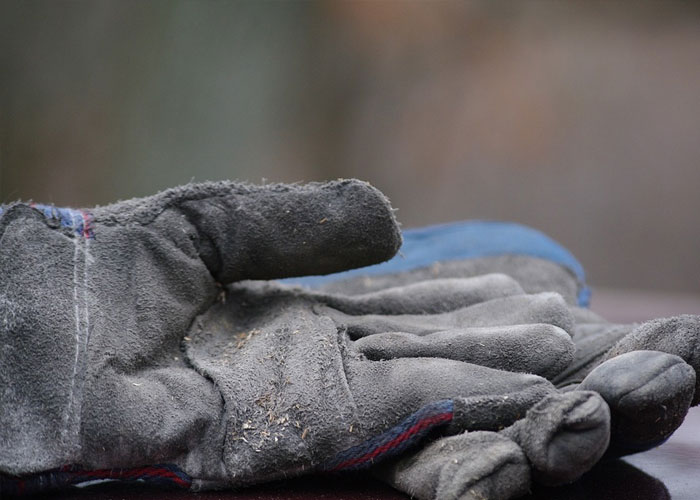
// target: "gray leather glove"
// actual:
[[121, 349]]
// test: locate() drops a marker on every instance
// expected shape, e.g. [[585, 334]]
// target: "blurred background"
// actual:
[[581, 119]]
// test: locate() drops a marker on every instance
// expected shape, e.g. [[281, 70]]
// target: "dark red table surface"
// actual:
[[669, 471]]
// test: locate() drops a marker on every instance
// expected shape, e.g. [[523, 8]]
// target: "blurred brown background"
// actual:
[[578, 118]]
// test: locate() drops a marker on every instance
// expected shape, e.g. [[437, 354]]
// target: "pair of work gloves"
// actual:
[[142, 340]]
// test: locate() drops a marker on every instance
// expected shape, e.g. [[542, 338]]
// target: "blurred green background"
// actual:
[[579, 118]]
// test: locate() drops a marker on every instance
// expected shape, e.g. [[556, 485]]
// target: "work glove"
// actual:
[[645, 372], [94, 306], [125, 356]]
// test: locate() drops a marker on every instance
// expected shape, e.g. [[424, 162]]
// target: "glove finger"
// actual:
[[541, 349], [425, 297], [469, 466], [649, 394], [539, 308], [534, 275], [481, 398], [275, 231], [563, 435], [679, 335]]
